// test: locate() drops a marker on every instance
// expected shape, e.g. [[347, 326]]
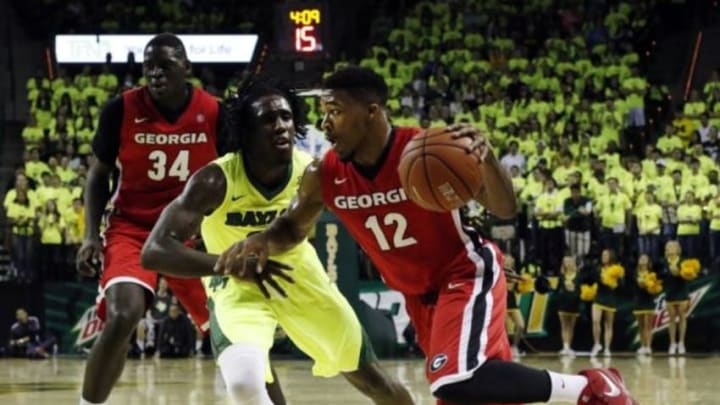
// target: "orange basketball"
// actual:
[[437, 172]]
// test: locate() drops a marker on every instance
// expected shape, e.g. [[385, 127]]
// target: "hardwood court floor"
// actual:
[[655, 381]]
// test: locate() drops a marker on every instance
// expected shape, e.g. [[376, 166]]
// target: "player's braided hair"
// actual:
[[241, 117]]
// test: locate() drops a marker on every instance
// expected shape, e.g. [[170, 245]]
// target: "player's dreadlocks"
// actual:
[[241, 117]]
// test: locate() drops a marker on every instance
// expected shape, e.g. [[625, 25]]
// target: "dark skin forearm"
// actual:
[[293, 226], [497, 193], [165, 249], [97, 195]]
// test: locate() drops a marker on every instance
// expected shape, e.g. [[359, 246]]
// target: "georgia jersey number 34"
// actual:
[[179, 168]]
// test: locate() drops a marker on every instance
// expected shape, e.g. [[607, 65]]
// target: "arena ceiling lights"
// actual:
[[200, 48]]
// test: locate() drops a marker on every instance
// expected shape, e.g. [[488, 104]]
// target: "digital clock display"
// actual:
[[302, 27], [305, 35]]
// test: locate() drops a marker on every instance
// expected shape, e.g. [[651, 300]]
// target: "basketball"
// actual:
[[437, 172]]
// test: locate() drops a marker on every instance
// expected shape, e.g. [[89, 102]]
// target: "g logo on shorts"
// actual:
[[438, 362]]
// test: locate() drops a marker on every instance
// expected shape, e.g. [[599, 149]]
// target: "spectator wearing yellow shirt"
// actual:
[[613, 209], [52, 229], [550, 237], [518, 180], [649, 223], [561, 173], [85, 134], [637, 182], [21, 216], [669, 140], [34, 167], [649, 163], [685, 127], [74, 229], [694, 107], [32, 134], [713, 214], [22, 183], [695, 180], [689, 216]]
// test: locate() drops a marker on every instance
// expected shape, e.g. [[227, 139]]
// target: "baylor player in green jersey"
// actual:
[[236, 195]]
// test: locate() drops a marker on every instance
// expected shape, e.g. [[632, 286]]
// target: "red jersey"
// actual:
[[155, 156], [415, 250]]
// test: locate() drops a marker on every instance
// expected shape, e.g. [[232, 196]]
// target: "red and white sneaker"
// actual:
[[605, 387]]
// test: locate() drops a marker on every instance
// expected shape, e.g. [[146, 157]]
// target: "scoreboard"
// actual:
[[301, 28]]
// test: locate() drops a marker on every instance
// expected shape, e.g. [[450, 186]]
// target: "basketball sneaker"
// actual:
[[605, 387]]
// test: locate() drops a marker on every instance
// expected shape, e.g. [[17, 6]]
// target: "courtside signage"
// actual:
[[200, 48]]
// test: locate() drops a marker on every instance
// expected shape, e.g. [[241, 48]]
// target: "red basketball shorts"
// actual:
[[121, 264], [466, 324]]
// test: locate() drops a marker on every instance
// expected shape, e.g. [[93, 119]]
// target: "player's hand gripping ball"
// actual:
[[440, 168]]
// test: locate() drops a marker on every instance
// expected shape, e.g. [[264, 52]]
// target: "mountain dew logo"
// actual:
[[88, 326], [661, 318]]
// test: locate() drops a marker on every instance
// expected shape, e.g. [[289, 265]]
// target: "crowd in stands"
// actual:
[[135, 16], [559, 93]]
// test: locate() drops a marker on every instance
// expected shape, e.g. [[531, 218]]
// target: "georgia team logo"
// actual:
[[438, 362], [200, 118]]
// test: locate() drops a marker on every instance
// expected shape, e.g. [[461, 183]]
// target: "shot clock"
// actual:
[[301, 28]]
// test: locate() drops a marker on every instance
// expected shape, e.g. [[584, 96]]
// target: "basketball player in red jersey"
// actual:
[[153, 138], [452, 278]]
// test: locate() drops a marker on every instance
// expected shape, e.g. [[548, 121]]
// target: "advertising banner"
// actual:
[[200, 48]]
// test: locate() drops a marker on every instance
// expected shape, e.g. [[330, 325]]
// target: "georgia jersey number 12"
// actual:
[[399, 240]]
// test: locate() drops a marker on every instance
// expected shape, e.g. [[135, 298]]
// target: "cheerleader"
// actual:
[[514, 315], [568, 301], [609, 277], [647, 286], [677, 296]]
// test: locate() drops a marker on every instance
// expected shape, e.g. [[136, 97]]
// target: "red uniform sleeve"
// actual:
[[106, 143]]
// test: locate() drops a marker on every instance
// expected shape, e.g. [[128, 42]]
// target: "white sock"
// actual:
[[566, 387], [86, 402], [198, 345], [243, 369]]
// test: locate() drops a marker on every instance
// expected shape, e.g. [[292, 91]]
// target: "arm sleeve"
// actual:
[[106, 143], [222, 130]]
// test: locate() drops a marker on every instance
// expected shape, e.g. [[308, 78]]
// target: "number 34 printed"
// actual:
[[179, 168]]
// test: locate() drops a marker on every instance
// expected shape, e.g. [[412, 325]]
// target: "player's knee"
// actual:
[[243, 369], [125, 318], [246, 390]]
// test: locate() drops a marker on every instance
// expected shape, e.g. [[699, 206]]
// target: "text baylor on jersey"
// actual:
[[252, 218]]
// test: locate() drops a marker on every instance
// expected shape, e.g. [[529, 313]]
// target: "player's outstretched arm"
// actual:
[[497, 193], [97, 194], [285, 232], [165, 249], [296, 223]]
